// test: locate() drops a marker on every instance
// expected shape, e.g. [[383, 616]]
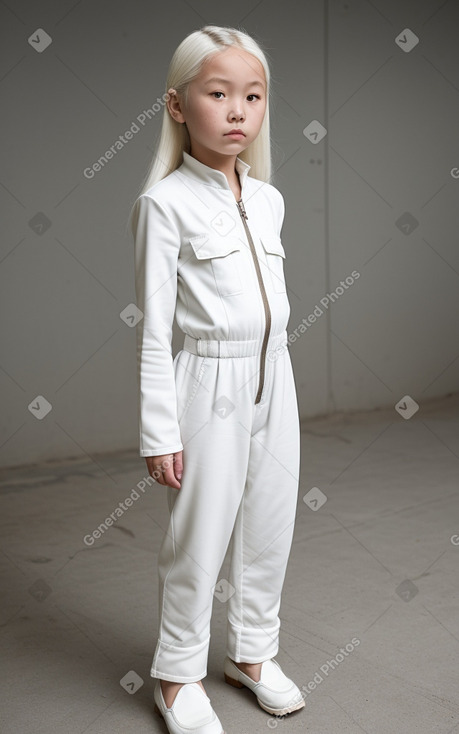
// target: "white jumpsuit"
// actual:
[[228, 399]]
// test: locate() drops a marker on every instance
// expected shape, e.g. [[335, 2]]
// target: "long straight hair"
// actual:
[[174, 139]]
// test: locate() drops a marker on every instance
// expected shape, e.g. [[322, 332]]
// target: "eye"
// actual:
[[249, 95]]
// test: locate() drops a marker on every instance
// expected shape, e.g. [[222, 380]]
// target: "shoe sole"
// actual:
[[280, 712]]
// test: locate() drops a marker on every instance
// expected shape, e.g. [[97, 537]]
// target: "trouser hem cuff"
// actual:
[[252, 644], [180, 664]]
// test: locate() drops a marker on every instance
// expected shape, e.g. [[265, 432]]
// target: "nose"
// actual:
[[237, 115]]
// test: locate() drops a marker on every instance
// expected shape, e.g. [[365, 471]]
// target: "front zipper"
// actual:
[[244, 216]]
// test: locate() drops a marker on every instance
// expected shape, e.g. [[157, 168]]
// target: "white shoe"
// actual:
[[190, 713], [275, 693]]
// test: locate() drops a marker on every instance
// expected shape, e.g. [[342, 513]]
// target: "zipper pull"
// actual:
[[242, 210]]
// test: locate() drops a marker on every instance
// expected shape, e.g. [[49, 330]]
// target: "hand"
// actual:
[[166, 469]]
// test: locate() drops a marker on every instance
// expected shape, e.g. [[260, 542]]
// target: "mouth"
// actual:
[[235, 134]]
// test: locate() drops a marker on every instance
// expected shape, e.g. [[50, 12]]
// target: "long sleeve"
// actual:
[[156, 247]]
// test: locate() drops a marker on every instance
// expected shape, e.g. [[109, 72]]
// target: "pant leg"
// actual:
[[265, 522], [216, 439]]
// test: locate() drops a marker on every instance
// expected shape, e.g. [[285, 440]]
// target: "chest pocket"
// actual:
[[275, 255], [223, 257]]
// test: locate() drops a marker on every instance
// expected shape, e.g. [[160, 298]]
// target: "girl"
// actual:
[[219, 423]]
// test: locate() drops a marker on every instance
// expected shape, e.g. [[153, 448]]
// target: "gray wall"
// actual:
[[378, 195]]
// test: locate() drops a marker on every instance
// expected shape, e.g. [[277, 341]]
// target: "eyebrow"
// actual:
[[226, 81]]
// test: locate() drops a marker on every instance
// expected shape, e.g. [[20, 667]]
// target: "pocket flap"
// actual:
[[205, 246], [272, 244]]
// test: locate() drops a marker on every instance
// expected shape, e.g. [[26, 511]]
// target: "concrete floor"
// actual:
[[376, 562]]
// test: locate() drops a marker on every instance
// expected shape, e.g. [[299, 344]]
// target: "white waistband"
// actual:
[[231, 348]]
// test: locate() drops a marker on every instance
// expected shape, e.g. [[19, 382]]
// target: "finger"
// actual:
[[170, 479], [159, 472], [178, 466], [165, 472], [155, 469]]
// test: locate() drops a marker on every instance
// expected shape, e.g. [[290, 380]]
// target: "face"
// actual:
[[236, 100]]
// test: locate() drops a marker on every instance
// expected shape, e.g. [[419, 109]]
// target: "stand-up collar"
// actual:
[[198, 171]]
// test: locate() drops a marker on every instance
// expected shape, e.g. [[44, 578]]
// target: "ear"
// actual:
[[174, 105]]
